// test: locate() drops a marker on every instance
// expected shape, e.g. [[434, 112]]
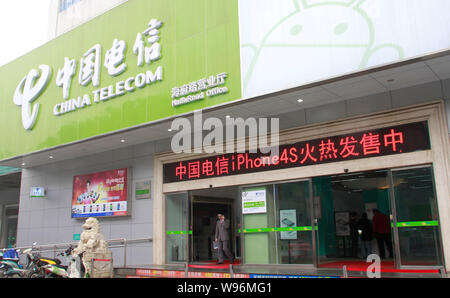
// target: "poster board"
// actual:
[[254, 201], [101, 194], [342, 220], [288, 219]]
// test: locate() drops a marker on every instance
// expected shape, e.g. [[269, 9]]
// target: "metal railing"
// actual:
[[54, 249]]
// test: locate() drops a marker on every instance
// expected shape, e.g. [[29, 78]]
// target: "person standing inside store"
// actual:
[[365, 226], [353, 223], [382, 231], [222, 237]]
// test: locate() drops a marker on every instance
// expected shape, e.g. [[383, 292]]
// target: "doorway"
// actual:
[[10, 220], [191, 221], [390, 213], [344, 205], [204, 218]]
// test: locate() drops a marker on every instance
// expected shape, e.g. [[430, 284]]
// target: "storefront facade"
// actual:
[[387, 183], [363, 126]]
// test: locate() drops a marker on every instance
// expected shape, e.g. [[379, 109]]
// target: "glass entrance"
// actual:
[[11, 224], [327, 221], [390, 213], [204, 219], [416, 222], [277, 223], [344, 211], [177, 227]]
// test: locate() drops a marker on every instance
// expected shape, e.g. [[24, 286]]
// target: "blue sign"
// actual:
[[37, 192]]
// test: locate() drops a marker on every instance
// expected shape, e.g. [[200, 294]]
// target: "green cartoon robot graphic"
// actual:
[[319, 39]]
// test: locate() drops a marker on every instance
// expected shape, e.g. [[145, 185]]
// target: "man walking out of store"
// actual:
[[223, 238], [382, 231]]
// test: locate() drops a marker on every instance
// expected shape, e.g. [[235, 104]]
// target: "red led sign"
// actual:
[[379, 142]]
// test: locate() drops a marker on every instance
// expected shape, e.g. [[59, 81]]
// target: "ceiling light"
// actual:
[[122, 141], [169, 130], [23, 164], [300, 100], [51, 157]]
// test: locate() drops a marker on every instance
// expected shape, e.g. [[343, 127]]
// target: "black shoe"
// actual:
[[219, 263]]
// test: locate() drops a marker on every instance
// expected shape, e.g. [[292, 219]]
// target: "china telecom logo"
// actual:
[[29, 89]]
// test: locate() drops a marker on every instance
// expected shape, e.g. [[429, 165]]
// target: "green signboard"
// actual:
[[142, 61]]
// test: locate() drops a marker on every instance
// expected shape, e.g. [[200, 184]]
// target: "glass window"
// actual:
[[293, 213], [65, 4], [277, 224], [258, 222], [177, 229], [417, 217]]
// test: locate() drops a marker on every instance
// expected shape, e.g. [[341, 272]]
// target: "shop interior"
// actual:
[[407, 202], [344, 212]]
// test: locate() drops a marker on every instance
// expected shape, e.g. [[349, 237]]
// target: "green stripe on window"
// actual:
[[287, 229], [179, 232], [409, 224]]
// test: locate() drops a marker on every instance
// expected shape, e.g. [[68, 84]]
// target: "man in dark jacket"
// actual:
[[222, 237], [353, 223]]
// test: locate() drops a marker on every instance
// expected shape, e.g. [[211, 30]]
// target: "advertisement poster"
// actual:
[[288, 219], [254, 201], [369, 209], [342, 220], [100, 194]]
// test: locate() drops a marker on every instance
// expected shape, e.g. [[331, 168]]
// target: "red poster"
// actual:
[[100, 194]]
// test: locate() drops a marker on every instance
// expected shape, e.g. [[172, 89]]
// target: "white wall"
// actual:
[[288, 43], [48, 221], [77, 14]]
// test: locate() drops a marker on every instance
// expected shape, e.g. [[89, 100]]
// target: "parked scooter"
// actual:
[[33, 268], [10, 266], [75, 269]]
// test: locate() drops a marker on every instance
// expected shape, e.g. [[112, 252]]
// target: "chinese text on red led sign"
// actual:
[[378, 142]]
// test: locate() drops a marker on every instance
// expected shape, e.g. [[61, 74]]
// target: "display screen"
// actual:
[[372, 143], [101, 194]]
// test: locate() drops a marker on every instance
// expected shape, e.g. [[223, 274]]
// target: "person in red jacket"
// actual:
[[382, 231]]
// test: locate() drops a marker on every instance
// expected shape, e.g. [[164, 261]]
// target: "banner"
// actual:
[[100, 194]]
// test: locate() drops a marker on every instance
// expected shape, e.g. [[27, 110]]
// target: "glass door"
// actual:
[[415, 218], [277, 223], [11, 224], [177, 227], [295, 225]]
